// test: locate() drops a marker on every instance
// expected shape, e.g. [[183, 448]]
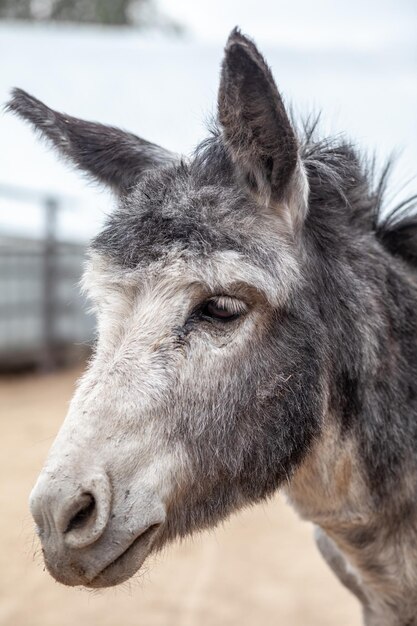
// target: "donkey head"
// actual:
[[204, 390]]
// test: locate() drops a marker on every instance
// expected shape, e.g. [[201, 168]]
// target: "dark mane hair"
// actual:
[[340, 179]]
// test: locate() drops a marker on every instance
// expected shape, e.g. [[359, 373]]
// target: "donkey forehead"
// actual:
[[218, 272], [183, 226], [173, 208]]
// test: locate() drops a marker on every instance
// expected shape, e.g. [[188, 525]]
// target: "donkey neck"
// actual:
[[358, 481], [370, 547]]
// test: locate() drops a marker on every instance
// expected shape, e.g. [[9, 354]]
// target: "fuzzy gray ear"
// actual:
[[108, 154], [256, 128]]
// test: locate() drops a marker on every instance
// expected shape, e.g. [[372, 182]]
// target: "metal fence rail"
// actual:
[[43, 316]]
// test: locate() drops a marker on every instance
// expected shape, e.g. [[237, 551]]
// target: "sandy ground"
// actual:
[[261, 568]]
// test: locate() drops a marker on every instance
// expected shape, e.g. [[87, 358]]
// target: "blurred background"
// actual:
[[152, 67]]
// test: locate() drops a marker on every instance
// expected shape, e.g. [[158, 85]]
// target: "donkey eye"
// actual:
[[223, 309]]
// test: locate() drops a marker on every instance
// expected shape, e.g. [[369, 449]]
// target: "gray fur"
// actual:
[[113, 156], [256, 129], [323, 397]]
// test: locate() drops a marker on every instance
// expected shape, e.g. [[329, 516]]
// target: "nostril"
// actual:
[[71, 513], [83, 514], [84, 517]]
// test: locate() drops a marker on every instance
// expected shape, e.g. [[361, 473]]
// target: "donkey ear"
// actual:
[[256, 128], [108, 154]]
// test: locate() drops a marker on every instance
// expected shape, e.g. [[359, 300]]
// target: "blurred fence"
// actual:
[[43, 316]]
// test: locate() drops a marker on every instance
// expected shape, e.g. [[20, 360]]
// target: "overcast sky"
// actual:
[[359, 24]]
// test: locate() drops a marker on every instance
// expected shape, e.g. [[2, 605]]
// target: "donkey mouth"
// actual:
[[127, 563]]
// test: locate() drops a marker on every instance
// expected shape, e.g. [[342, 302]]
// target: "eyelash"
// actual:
[[223, 309]]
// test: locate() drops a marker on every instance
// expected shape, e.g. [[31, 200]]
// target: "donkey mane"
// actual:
[[340, 179]]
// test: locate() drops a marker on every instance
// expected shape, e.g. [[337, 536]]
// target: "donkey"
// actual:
[[257, 330]]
